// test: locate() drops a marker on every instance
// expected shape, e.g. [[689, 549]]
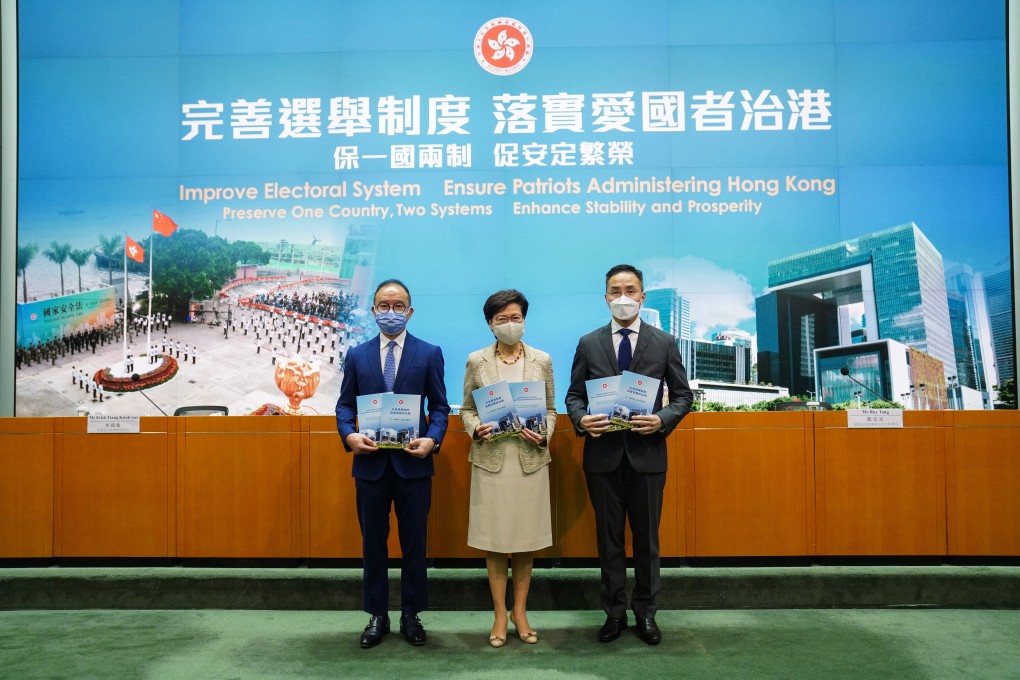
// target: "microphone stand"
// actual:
[[846, 371], [135, 378]]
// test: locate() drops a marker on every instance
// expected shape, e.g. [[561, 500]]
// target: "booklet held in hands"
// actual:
[[389, 420], [635, 397], [529, 401], [621, 397], [495, 406], [602, 397]]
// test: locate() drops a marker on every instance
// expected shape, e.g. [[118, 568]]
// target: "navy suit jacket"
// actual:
[[420, 371]]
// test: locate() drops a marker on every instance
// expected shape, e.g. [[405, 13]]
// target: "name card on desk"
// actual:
[[874, 418], [104, 424]]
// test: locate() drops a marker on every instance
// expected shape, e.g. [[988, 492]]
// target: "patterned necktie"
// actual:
[[389, 374], [625, 351]]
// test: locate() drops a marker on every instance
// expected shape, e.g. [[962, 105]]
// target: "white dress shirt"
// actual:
[[634, 329]]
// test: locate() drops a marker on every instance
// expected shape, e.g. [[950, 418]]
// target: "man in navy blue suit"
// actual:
[[394, 361]]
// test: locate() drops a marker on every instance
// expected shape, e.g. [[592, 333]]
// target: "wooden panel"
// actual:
[[573, 518], [752, 492], [681, 465], [333, 528], [333, 514], [26, 487], [239, 488], [882, 492], [983, 483], [114, 495], [452, 497], [739, 484]]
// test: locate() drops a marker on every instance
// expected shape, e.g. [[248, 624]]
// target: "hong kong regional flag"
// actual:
[[134, 251], [162, 223]]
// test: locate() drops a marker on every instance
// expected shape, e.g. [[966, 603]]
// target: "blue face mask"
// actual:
[[391, 323]]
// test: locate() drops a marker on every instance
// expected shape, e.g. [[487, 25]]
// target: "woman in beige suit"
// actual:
[[510, 507]]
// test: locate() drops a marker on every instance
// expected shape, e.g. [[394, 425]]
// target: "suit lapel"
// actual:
[[531, 372], [374, 361], [488, 371], [606, 339], [406, 360], [643, 338]]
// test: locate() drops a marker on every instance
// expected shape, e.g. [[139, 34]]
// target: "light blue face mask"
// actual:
[[391, 323]]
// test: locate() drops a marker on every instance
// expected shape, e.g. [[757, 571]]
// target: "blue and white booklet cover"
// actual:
[[398, 420], [602, 397], [369, 413], [529, 400], [495, 406], [635, 397]]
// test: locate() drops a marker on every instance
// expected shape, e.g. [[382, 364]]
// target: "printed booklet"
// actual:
[[394, 418], [495, 406], [602, 398], [635, 397], [529, 401]]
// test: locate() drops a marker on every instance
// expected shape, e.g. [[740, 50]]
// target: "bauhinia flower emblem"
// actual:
[[503, 46]]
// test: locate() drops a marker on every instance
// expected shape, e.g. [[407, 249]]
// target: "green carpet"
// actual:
[[860, 644]]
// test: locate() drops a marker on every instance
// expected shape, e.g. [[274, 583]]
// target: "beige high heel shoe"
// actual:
[[531, 637], [497, 640]]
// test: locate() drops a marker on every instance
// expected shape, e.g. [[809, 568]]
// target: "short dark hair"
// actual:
[[620, 268], [392, 282], [499, 300]]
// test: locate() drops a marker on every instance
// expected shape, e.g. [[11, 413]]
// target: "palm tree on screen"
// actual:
[[59, 252], [108, 246], [80, 258], [25, 255]]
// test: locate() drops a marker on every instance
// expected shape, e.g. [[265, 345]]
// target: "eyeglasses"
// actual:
[[385, 307], [500, 320]]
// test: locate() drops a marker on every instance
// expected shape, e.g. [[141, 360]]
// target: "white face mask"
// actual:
[[509, 333], [624, 308]]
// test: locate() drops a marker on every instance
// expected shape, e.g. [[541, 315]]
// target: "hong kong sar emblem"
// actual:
[[503, 46]]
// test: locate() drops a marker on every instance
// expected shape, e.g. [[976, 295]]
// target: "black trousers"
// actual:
[[618, 497], [411, 498]]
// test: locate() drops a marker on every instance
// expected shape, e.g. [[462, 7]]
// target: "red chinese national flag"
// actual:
[[134, 251], [162, 223]]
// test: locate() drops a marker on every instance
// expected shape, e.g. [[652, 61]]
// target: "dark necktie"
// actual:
[[623, 359], [389, 373]]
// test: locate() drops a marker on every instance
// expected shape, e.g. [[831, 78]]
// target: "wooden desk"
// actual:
[[739, 484]]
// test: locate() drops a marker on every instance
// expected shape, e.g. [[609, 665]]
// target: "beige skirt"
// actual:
[[510, 511]]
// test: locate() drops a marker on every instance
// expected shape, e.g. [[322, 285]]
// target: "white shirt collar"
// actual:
[[634, 328], [384, 341]]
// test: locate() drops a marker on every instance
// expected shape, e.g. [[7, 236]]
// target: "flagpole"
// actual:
[[148, 332], [124, 253]]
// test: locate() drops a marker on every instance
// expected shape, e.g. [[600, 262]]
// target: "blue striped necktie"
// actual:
[[389, 374]]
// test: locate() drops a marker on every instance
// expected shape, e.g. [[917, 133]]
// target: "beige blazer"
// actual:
[[481, 371]]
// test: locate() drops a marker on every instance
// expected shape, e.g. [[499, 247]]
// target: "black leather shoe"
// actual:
[[376, 628], [611, 629], [414, 632], [648, 631]]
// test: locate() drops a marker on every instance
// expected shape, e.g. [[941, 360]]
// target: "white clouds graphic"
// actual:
[[720, 298]]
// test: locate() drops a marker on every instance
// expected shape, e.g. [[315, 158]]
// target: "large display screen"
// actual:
[[308, 150]]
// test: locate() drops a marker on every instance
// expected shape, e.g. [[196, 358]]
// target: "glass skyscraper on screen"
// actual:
[[896, 275], [999, 293]]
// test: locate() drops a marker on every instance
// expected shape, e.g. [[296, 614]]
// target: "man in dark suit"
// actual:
[[626, 470], [394, 361]]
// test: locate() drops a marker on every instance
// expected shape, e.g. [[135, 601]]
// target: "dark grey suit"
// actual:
[[626, 471]]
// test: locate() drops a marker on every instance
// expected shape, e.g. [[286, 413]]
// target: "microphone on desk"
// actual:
[[135, 378], [846, 371]]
